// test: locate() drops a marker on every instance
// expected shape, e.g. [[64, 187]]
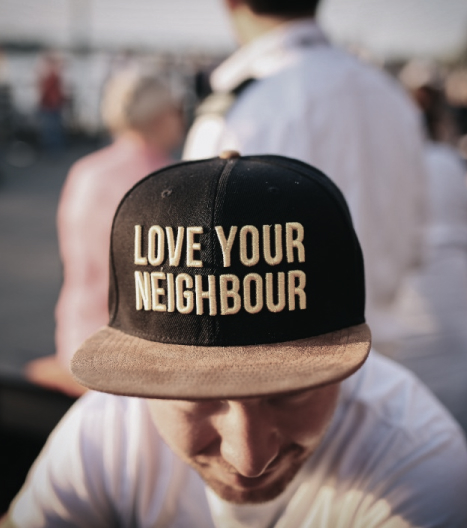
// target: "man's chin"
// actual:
[[248, 496], [253, 491]]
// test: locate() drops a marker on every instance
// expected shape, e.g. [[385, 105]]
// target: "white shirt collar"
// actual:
[[267, 54]]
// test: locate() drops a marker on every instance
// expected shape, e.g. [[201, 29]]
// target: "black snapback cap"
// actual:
[[230, 277]]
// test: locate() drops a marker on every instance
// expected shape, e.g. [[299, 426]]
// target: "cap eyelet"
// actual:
[[229, 154]]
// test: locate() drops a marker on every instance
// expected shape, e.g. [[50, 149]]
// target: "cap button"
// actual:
[[229, 154]]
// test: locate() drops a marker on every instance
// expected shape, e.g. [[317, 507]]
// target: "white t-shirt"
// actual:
[[314, 102], [392, 457]]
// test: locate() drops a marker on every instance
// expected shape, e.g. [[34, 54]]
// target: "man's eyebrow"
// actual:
[[274, 395], [289, 394], [247, 398]]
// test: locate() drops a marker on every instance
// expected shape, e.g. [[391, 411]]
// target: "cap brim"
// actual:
[[115, 362]]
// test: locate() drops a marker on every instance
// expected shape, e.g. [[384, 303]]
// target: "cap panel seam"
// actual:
[[221, 190], [324, 182], [219, 198]]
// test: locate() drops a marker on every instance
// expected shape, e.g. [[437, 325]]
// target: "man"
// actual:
[[288, 91], [234, 353]]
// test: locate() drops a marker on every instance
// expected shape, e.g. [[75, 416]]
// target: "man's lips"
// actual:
[[239, 481], [215, 467], [228, 475]]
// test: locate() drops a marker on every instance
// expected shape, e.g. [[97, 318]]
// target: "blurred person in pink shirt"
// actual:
[[146, 124]]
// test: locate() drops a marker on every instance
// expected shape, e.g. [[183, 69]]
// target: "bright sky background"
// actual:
[[396, 27], [389, 28]]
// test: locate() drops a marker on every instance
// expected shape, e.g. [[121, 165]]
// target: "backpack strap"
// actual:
[[219, 103]]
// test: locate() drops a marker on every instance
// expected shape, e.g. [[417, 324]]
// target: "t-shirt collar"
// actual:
[[266, 55]]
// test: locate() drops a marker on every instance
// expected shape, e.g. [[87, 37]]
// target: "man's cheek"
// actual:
[[307, 433], [201, 439], [188, 440]]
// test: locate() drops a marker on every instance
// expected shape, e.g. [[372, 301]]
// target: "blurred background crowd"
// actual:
[[68, 68], [55, 58]]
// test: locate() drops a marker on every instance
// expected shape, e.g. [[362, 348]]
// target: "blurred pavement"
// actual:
[[30, 269], [30, 278]]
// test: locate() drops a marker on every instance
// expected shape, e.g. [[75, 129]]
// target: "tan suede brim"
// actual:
[[115, 362]]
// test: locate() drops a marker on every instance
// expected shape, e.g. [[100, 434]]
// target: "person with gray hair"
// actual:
[[138, 102], [145, 121]]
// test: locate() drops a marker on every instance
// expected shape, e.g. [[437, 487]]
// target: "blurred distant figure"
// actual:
[[51, 102], [456, 93], [433, 306], [6, 103], [289, 91], [146, 123]]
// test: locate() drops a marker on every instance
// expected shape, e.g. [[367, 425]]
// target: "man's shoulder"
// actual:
[[391, 418], [391, 440], [104, 401], [394, 396], [93, 162], [89, 177], [320, 82], [101, 423], [98, 410], [444, 159]]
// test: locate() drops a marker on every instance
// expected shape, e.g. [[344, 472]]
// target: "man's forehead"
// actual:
[[250, 399]]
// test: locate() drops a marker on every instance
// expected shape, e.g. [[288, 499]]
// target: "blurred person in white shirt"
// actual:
[[289, 91], [433, 302]]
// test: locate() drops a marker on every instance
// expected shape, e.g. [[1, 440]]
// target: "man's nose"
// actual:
[[249, 440]]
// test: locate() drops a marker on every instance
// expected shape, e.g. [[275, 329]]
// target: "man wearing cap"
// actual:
[[235, 384], [289, 91]]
